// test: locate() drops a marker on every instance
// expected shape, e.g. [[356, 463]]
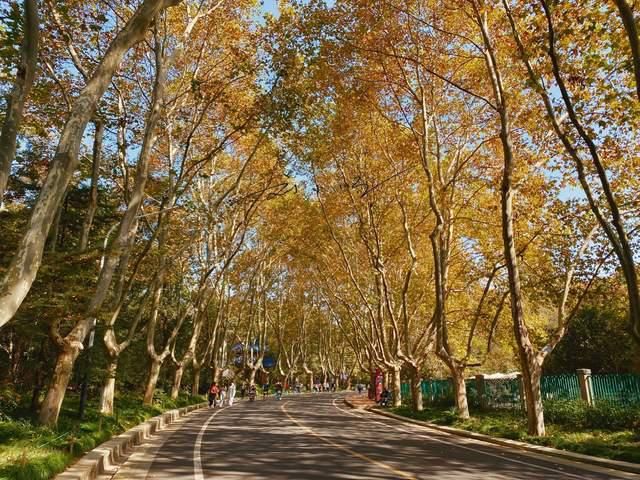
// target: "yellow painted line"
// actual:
[[353, 453]]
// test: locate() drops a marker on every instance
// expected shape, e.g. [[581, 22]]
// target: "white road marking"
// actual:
[[197, 448], [464, 447]]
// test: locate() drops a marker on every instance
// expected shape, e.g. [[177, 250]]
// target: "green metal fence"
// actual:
[[437, 392], [621, 389], [405, 391], [505, 393], [473, 396], [560, 387]]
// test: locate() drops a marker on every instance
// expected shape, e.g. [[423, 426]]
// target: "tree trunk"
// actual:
[[25, 77], [195, 386], [61, 375], [396, 387], [252, 376], [460, 392], [152, 380], [417, 404], [109, 388], [521, 333], [25, 263], [626, 14], [177, 381], [531, 374], [93, 195]]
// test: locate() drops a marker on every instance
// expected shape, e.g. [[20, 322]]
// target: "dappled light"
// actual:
[[427, 209]]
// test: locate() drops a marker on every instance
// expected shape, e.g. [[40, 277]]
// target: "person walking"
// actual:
[[223, 395], [213, 394], [232, 393]]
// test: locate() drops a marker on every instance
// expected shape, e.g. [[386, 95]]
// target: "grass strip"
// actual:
[[621, 444], [29, 451]]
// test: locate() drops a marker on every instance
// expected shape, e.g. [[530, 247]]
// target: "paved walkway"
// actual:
[[316, 437], [360, 401]]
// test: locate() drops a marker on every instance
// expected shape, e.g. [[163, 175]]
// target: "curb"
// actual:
[[575, 457], [106, 456]]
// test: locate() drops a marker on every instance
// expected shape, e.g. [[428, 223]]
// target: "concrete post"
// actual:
[[481, 392], [584, 380]]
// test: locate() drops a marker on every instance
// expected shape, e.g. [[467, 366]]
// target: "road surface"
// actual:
[[316, 437]]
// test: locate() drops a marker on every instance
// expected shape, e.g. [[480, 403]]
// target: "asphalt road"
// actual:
[[316, 437]]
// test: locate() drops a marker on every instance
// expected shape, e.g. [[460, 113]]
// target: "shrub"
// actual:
[[570, 413], [610, 416], [9, 402], [577, 415]]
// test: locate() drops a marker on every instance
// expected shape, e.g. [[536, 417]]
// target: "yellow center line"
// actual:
[[353, 453]]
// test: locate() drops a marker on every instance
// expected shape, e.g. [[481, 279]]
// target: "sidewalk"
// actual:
[[360, 401]]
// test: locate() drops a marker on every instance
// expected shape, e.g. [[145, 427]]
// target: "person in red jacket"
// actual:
[[214, 391]]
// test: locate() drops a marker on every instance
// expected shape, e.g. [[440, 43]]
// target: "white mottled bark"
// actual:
[[26, 261], [21, 88]]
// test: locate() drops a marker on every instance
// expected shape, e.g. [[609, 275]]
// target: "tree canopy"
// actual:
[[430, 188]]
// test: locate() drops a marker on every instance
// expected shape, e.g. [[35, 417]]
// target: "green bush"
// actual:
[[9, 401], [577, 415], [571, 413], [610, 416], [31, 451]]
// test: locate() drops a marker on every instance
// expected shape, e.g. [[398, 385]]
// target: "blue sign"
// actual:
[[268, 362]]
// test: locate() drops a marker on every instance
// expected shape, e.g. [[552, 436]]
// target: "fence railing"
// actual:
[[507, 393], [560, 387], [616, 388]]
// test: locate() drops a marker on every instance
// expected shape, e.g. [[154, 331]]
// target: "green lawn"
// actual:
[[620, 444], [32, 452]]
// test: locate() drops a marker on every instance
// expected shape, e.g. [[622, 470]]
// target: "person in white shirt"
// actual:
[[232, 393], [223, 394]]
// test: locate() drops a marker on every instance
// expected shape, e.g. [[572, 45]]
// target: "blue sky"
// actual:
[[270, 6]]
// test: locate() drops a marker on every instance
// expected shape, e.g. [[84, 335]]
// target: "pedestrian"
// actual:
[[265, 391], [278, 391], [213, 394], [223, 395], [232, 393]]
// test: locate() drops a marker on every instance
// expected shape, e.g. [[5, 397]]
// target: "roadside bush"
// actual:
[[570, 413], [34, 452], [577, 415], [9, 401], [609, 416]]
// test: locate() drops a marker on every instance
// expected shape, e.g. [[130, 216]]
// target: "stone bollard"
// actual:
[[584, 380], [481, 391]]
